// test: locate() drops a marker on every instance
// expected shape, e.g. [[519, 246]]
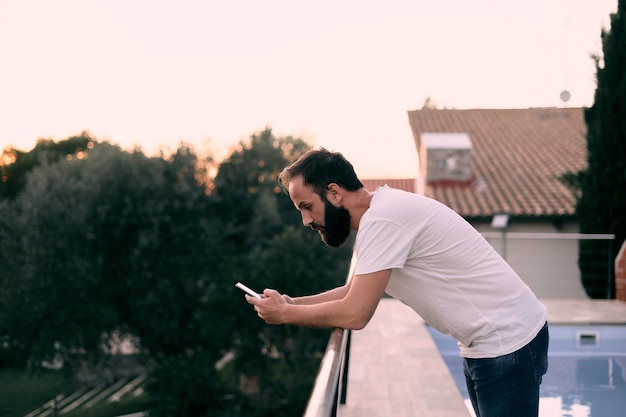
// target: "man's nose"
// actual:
[[306, 219]]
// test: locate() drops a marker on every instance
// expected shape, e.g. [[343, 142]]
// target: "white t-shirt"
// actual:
[[448, 273]]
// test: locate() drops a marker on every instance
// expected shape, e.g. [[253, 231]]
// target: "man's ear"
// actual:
[[334, 194]]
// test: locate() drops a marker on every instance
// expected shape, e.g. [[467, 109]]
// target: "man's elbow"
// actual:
[[358, 325], [359, 321]]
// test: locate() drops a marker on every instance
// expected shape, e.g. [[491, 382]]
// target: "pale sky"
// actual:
[[341, 74]]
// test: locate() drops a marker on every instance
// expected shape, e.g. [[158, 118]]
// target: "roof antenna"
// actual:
[[565, 94]]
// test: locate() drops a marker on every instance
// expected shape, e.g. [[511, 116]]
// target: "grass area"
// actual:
[[129, 404], [21, 391]]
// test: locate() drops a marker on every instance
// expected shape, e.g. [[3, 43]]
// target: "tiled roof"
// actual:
[[517, 158], [406, 184]]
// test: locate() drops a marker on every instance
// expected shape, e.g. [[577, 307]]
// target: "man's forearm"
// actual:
[[330, 295], [324, 315], [349, 307]]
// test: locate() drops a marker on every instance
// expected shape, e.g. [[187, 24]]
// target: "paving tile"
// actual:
[[395, 367]]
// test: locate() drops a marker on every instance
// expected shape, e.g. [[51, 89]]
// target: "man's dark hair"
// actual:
[[320, 168]]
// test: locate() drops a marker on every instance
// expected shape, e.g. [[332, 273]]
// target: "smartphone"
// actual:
[[247, 290]]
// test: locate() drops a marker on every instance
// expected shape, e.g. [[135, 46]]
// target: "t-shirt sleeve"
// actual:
[[382, 245]]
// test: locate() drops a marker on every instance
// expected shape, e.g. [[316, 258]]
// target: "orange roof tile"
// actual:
[[518, 156], [406, 184]]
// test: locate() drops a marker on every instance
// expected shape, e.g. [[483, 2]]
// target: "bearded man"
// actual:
[[424, 254]]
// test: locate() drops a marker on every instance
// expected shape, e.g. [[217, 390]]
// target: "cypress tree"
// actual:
[[601, 207]]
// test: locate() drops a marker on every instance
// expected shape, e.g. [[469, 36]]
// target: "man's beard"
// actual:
[[336, 225]]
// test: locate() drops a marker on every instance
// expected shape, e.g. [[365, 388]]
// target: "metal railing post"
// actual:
[[611, 275], [323, 401], [344, 371]]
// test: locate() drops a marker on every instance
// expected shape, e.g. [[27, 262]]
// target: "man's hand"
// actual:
[[288, 299], [271, 307], [348, 307]]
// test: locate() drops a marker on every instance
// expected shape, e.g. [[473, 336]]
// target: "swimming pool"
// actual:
[[586, 375]]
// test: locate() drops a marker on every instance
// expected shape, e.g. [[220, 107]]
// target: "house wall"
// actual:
[[549, 267]]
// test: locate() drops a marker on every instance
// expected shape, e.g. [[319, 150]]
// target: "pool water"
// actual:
[[586, 373]]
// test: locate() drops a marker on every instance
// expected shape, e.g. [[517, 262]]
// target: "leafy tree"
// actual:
[[104, 242], [115, 242], [246, 186], [189, 385], [50, 266], [602, 204], [12, 353], [275, 252], [15, 164], [297, 263]]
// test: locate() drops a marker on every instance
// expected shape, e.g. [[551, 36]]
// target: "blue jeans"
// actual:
[[508, 385]]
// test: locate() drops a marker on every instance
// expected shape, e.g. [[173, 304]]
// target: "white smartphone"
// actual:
[[247, 290]]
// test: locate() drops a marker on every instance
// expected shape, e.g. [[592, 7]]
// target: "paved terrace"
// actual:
[[396, 370]]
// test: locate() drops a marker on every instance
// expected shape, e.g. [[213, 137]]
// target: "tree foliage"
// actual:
[[15, 164], [295, 262], [247, 185], [602, 204], [116, 242], [99, 242], [276, 252]]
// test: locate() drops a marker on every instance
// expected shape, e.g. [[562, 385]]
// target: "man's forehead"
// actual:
[[298, 190]]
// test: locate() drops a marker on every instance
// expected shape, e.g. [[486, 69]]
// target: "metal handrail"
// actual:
[[330, 384], [549, 236]]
